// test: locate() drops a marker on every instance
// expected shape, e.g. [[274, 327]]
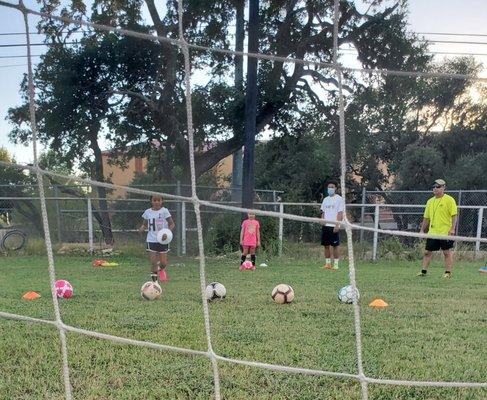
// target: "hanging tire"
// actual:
[[14, 240]]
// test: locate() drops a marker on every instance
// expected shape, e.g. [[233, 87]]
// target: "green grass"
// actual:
[[434, 329]]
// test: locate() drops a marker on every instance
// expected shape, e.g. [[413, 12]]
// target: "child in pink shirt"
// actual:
[[250, 237]]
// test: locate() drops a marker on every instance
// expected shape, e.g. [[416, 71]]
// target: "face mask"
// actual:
[[330, 191]]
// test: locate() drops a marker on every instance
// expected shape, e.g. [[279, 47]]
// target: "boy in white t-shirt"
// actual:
[[332, 209], [156, 218]]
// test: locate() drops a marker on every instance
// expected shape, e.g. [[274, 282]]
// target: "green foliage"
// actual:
[[420, 166], [296, 165]]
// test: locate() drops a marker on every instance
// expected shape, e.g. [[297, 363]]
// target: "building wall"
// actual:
[[119, 176]]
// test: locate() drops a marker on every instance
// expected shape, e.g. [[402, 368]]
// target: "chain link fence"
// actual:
[[77, 215]]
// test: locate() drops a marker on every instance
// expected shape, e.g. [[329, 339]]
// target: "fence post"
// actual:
[[362, 215], [58, 214], [457, 228], [179, 219], [183, 228], [376, 234], [281, 229], [479, 230], [90, 226]]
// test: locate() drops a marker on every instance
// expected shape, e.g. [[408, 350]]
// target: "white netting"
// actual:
[[349, 227]]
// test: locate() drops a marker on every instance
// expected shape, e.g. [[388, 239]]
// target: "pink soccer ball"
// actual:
[[247, 265], [63, 289]]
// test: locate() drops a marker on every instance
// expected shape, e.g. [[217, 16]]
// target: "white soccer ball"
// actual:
[[215, 291], [346, 294], [151, 291], [282, 294], [167, 233]]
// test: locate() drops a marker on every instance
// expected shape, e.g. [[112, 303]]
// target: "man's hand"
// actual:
[[451, 232]]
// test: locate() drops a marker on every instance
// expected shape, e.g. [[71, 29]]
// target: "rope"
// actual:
[[348, 229], [195, 200], [45, 222], [177, 42], [255, 364]]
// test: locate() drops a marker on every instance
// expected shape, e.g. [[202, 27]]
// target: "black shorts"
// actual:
[[437, 244], [157, 247], [328, 237]]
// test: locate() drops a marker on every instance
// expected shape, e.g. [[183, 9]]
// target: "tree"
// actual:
[[136, 85], [17, 184]]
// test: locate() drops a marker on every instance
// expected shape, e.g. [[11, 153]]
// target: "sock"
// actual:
[[328, 261], [423, 271], [153, 277], [335, 262], [162, 274], [242, 259], [252, 258], [447, 272]]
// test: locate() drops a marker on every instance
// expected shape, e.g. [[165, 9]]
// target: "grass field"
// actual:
[[434, 329]]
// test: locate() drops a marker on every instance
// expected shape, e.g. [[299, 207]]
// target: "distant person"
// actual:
[[156, 218], [332, 209], [440, 218], [249, 238]]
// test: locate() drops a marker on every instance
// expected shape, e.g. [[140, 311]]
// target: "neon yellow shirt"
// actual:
[[439, 211]]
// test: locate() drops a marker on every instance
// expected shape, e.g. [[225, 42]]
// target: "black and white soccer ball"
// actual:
[[215, 291], [346, 294], [282, 294]]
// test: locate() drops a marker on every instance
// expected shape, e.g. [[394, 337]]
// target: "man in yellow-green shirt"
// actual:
[[440, 218]]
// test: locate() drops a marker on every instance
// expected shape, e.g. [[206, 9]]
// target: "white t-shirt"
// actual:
[[331, 206], [156, 220]]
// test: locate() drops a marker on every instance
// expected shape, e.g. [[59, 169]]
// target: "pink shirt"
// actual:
[[250, 227]]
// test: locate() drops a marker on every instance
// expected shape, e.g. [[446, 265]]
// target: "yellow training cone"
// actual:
[[378, 303], [31, 296]]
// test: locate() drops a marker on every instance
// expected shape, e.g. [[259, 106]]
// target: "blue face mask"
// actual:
[[330, 191]]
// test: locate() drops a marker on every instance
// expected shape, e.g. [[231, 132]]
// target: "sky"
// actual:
[[426, 16]]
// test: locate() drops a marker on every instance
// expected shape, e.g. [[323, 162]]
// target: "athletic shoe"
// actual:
[[446, 275], [420, 274], [327, 266], [334, 267], [162, 275], [153, 277], [241, 268]]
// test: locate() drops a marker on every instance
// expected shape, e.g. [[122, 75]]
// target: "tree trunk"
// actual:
[[105, 225]]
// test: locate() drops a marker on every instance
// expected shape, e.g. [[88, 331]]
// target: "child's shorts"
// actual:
[[156, 247]]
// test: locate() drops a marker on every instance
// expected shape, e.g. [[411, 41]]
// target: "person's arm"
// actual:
[[170, 223], [143, 227], [241, 235], [453, 228], [258, 235], [424, 225], [339, 219]]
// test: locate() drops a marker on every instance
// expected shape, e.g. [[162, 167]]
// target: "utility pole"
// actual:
[[250, 107]]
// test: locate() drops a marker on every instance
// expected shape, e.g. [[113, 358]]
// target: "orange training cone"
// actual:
[[378, 303], [31, 295]]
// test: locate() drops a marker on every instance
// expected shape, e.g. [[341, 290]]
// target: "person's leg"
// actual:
[[162, 267], [327, 257], [448, 253], [252, 256], [153, 260], [245, 251], [431, 246], [426, 262], [336, 256]]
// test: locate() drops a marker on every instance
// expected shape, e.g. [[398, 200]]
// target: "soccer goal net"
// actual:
[[139, 85]]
